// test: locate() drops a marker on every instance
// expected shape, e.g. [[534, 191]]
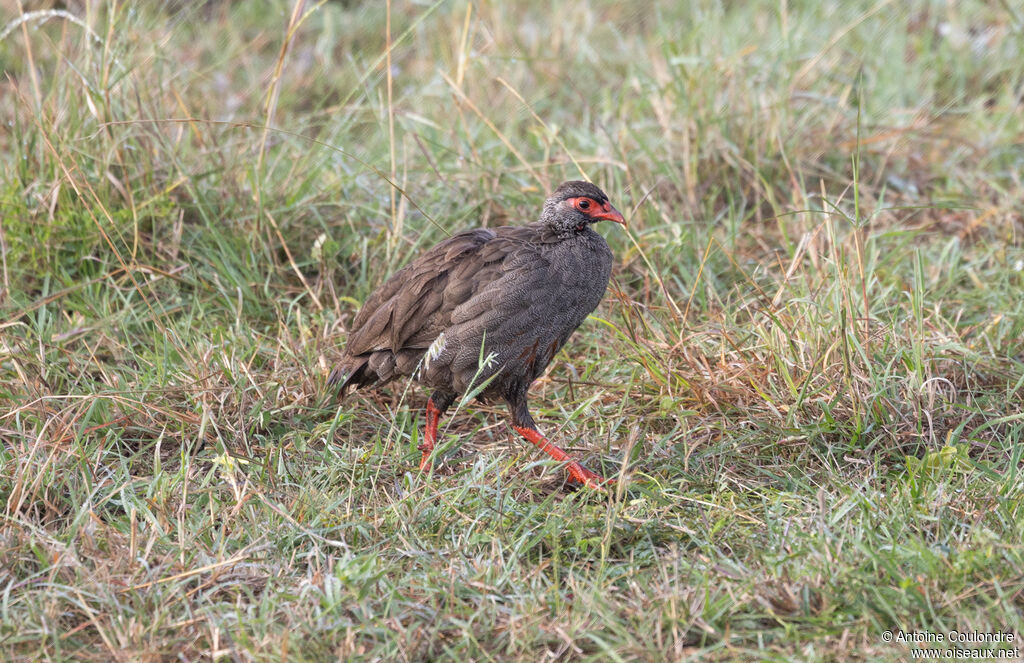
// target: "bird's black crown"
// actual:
[[578, 188]]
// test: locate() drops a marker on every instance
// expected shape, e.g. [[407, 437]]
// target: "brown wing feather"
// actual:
[[512, 289], [413, 306], [402, 317]]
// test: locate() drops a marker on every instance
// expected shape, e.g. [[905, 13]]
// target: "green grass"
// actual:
[[807, 372]]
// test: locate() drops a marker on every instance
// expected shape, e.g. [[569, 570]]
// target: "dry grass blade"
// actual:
[[807, 376]]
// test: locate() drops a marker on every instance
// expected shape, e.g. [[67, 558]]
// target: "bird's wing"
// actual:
[[416, 304]]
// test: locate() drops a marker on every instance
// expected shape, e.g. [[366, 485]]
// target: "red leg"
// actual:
[[429, 434], [577, 472]]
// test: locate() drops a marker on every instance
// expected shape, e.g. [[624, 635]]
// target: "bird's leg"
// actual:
[[523, 423], [436, 405], [577, 473], [429, 434]]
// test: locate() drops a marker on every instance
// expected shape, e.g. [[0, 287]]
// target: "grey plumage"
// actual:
[[517, 292]]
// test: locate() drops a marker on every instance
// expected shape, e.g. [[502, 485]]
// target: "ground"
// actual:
[[806, 374]]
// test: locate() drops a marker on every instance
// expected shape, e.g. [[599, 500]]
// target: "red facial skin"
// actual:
[[595, 210]]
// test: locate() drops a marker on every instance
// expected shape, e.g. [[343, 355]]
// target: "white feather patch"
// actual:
[[434, 351]]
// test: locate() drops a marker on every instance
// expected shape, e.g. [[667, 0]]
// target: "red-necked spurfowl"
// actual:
[[514, 294]]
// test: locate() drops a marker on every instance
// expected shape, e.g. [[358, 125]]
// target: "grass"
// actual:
[[807, 371]]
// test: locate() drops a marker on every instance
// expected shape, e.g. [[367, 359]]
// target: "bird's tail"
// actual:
[[348, 375]]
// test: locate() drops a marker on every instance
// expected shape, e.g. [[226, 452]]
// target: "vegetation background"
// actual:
[[807, 373]]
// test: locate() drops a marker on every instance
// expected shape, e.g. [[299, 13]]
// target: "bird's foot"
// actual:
[[581, 475]]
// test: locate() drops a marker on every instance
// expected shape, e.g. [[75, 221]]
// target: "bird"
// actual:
[[487, 309]]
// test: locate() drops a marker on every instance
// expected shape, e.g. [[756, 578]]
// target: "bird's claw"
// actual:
[[581, 475]]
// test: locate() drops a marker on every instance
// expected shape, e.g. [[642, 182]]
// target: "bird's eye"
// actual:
[[583, 204]]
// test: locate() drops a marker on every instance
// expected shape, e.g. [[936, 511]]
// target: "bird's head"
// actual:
[[575, 205]]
